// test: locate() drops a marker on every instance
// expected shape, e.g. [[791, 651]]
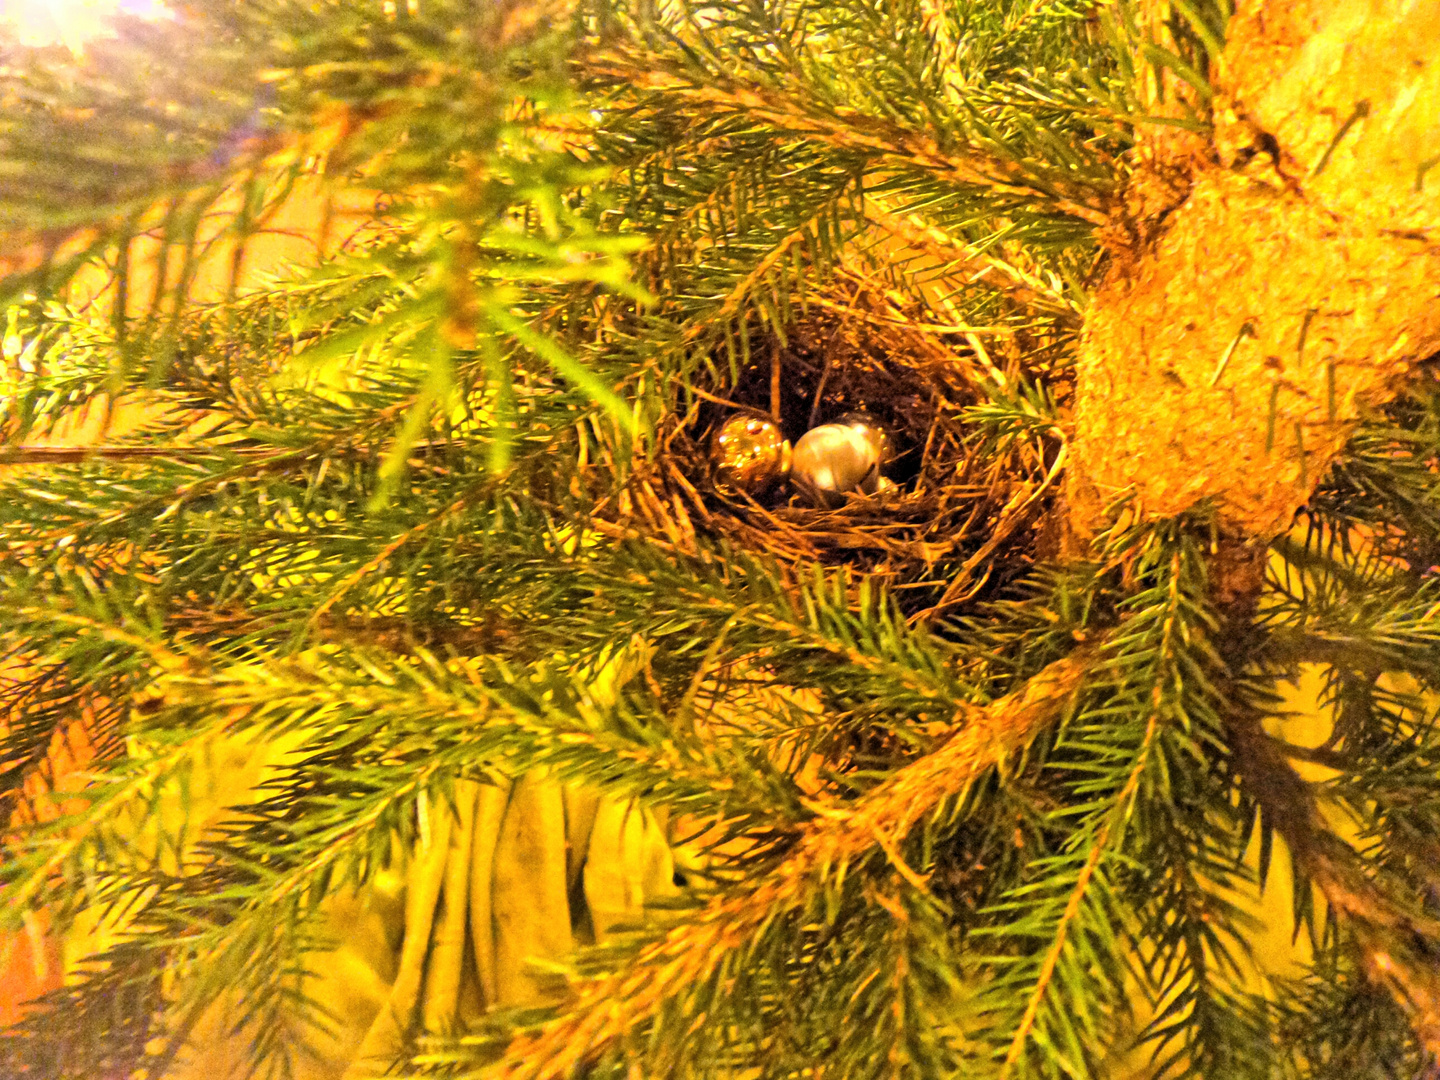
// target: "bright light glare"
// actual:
[[71, 22]]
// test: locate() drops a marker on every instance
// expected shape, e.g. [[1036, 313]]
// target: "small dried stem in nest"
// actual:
[[1016, 513]]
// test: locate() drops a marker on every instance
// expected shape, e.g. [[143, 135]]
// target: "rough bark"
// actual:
[[1269, 284]]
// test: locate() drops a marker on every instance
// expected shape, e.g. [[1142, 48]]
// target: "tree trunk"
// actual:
[[1269, 285]]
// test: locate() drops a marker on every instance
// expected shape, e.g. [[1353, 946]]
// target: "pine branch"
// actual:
[[1024, 289], [1337, 1021], [74, 455], [384, 519], [50, 721], [1379, 629], [843, 129], [771, 264], [116, 1000], [1081, 897], [1066, 925], [605, 1010], [1396, 941]]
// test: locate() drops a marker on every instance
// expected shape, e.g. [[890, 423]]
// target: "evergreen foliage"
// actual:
[[979, 810]]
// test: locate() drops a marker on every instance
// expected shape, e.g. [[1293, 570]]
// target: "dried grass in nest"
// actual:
[[959, 526]]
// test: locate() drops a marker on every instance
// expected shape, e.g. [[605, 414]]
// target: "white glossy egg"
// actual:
[[835, 458]]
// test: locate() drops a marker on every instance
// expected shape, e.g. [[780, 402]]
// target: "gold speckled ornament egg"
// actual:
[[749, 454]]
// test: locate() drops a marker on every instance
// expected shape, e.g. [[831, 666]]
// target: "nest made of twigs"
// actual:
[[961, 522]]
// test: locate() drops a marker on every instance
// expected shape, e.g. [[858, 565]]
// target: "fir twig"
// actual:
[[605, 1010]]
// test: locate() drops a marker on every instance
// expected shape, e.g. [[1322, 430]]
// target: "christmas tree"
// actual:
[[472, 590]]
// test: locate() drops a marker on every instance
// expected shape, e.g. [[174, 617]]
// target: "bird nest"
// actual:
[[961, 521]]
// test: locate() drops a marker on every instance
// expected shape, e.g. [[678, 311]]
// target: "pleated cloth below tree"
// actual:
[[505, 877]]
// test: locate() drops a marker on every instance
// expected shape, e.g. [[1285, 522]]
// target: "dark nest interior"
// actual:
[[962, 521]]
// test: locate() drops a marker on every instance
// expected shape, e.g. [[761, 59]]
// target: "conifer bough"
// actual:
[[982, 779]]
